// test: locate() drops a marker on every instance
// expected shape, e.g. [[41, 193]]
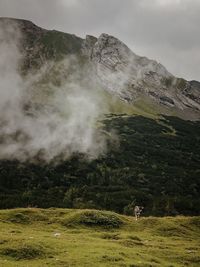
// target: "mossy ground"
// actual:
[[62, 237]]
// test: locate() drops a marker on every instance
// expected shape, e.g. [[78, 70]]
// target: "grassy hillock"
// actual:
[[68, 237]]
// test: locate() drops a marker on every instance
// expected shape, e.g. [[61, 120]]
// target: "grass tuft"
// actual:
[[25, 252], [104, 219], [19, 218], [111, 236]]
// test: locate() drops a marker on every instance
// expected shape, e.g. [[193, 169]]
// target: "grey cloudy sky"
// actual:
[[165, 30]]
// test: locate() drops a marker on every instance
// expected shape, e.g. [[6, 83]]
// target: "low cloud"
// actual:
[[43, 121]]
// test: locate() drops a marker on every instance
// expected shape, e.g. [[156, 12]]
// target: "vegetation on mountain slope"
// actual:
[[151, 162]]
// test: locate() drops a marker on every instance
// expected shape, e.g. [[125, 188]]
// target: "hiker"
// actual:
[[137, 211]]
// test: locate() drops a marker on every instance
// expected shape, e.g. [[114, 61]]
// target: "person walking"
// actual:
[[137, 211]]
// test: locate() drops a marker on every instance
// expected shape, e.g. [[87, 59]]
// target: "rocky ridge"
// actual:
[[130, 76]]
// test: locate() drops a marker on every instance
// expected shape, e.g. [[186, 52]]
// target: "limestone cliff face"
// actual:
[[130, 76]]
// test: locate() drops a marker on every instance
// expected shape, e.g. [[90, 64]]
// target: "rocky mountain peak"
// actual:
[[131, 77], [121, 70]]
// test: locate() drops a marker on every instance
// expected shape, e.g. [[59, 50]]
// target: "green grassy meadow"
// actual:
[[69, 237]]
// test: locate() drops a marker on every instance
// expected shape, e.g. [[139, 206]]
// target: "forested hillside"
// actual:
[[154, 163]]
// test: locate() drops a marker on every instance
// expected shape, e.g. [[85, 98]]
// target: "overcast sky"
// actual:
[[165, 30]]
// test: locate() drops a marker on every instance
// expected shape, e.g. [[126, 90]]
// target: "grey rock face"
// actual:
[[130, 76]]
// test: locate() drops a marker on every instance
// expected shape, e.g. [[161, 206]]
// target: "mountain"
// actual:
[[86, 123], [137, 81]]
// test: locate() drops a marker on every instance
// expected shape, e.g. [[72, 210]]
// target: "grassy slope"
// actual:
[[27, 239]]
